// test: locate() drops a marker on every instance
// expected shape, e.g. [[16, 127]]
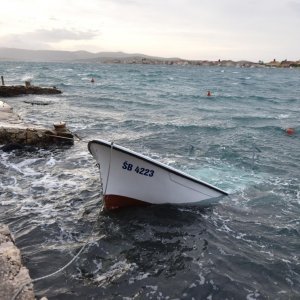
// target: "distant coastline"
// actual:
[[184, 62], [13, 54]]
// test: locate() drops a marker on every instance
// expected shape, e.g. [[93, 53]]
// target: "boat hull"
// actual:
[[130, 178]]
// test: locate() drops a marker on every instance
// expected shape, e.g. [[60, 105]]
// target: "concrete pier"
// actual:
[[13, 274], [13, 130]]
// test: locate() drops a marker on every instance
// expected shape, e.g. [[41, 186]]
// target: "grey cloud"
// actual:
[[41, 39]]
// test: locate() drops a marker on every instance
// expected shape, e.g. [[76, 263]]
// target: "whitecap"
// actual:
[[140, 276], [51, 162], [253, 296], [28, 77], [116, 271], [23, 167], [282, 116], [202, 279]]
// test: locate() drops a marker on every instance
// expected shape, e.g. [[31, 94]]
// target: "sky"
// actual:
[[190, 29]]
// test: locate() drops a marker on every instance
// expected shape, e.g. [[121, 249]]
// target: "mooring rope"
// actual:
[[81, 249], [67, 138]]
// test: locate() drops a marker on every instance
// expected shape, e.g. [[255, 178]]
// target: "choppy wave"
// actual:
[[243, 247]]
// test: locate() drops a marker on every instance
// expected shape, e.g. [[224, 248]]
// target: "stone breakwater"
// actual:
[[16, 90], [13, 274], [13, 130]]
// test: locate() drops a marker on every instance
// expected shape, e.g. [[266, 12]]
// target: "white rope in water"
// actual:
[[82, 248]]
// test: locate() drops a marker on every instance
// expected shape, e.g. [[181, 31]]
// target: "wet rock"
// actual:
[[10, 147], [16, 90], [13, 275]]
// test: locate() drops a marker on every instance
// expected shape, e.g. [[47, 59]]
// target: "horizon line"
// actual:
[[142, 54]]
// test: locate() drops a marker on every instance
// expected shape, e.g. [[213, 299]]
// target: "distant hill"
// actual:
[[13, 54]]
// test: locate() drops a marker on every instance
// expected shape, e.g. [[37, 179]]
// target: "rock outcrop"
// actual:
[[13, 275], [17, 90]]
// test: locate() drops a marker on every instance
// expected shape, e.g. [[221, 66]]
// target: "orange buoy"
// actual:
[[208, 93], [290, 131], [92, 81]]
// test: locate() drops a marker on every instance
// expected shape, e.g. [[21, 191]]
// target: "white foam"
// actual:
[[202, 279], [23, 167], [253, 296], [228, 177], [51, 162], [28, 77], [116, 271], [140, 276]]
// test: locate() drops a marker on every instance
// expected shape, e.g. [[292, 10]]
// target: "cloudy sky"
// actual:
[[190, 29]]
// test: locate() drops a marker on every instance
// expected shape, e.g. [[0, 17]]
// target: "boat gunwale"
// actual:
[[154, 162]]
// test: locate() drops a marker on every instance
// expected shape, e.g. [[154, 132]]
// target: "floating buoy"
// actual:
[[208, 93], [290, 131], [92, 80]]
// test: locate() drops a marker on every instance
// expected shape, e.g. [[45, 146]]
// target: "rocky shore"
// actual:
[[13, 275]]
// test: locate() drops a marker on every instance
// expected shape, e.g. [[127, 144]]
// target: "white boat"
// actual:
[[130, 178]]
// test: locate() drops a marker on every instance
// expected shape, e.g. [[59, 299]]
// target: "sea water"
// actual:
[[247, 246]]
